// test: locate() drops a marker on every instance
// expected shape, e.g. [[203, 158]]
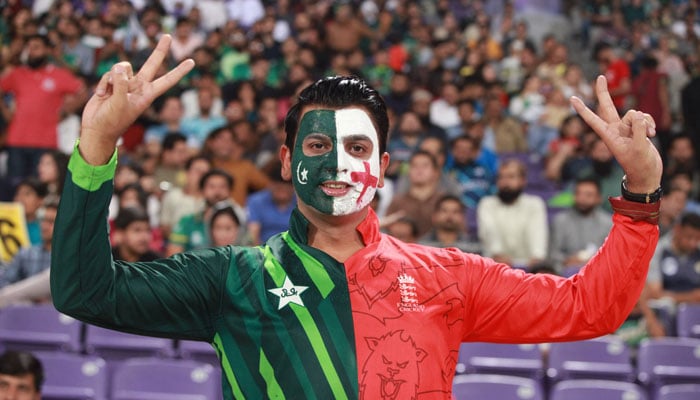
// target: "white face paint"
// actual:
[[354, 131]]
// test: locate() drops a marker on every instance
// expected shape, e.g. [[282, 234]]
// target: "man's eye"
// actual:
[[357, 149]]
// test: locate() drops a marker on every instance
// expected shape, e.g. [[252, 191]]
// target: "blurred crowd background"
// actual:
[[486, 152]]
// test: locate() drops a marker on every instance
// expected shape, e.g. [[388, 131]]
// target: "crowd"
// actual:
[[487, 155]]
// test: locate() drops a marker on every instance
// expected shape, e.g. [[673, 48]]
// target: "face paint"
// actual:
[[335, 164]]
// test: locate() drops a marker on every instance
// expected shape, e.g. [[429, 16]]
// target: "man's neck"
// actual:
[[335, 235], [422, 191], [446, 237]]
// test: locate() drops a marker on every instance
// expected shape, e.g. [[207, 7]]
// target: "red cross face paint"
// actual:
[[335, 165]]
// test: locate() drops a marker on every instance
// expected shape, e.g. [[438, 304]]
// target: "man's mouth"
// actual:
[[335, 188]]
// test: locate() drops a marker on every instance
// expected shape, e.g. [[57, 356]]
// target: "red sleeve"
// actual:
[[507, 305]]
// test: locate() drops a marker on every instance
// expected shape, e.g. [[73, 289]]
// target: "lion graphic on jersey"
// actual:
[[393, 363]]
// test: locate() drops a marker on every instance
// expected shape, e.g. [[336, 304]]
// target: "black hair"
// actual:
[[411, 223], [171, 139], [450, 197], [216, 172], [224, 207], [38, 36], [340, 92], [140, 193], [17, 363], [129, 215], [37, 186], [61, 160], [194, 158], [690, 219], [589, 179], [424, 153]]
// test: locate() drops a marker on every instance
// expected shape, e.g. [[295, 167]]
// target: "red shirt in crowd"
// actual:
[[616, 73], [38, 98]]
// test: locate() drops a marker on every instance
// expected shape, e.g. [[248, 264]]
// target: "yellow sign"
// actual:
[[13, 230]]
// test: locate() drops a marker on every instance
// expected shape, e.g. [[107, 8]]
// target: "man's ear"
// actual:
[[383, 165], [286, 160]]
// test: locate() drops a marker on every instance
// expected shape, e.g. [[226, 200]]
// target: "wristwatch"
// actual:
[[646, 198]]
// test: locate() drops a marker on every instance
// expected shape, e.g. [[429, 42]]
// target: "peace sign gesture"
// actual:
[[627, 139], [120, 97]]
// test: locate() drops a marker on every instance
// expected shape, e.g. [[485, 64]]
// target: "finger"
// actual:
[[640, 126], [155, 60], [591, 118], [103, 85], [170, 79], [651, 131], [120, 80], [607, 109]]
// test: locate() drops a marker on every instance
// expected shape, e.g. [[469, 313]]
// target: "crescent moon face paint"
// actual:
[[335, 163]]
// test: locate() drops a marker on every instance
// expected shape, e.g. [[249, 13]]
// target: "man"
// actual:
[[179, 202], [191, 232], [31, 193], [673, 271], [423, 191], [21, 376], [269, 210], [132, 236], [474, 176], [577, 233], [512, 225], [170, 172], [32, 260], [39, 89], [333, 308], [616, 71], [450, 226]]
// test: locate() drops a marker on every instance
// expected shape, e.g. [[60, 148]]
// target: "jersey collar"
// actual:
[[368, 228]]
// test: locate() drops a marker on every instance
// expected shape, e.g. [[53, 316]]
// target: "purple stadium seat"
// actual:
[[199, 351], [688, 320], [164, 379], [585, 389], [37, 328], [603, 358], [73, 376], [501, 387], [669, 360], [115, 346], [687, 391], [506, 359]]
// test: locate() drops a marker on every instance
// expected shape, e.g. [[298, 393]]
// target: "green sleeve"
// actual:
[[179, 297]]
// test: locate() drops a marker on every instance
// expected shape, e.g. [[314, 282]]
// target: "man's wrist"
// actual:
[[642, 194]]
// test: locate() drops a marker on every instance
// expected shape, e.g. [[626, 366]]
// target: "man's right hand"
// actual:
[[120, 97]]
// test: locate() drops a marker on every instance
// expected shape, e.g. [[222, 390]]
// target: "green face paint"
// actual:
[[335, 163]]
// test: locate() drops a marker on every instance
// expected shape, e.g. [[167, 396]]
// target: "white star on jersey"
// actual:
[[289, 293]]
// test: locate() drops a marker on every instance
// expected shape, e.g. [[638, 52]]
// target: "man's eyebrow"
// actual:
[[356, 138]]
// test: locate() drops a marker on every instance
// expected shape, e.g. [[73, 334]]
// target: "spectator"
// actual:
[[132, 236], [443, 110], [404, 229], [503, 134], [21, 376], [474, 176], [404, 142], [77, 56], [30, 261], [269, 210], [197, 128], [224, 226], [423, 191], [512, 225], [178, 202], [673, 202], [191, 232], [170, 111], [227, 154], [31, 193], [185, 39], [577, 233], [51, 171], [32, 132], [345, 31], [681, 158], [170, 171], [650, 92], [449, 220], [616, 71], [672, 271]]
